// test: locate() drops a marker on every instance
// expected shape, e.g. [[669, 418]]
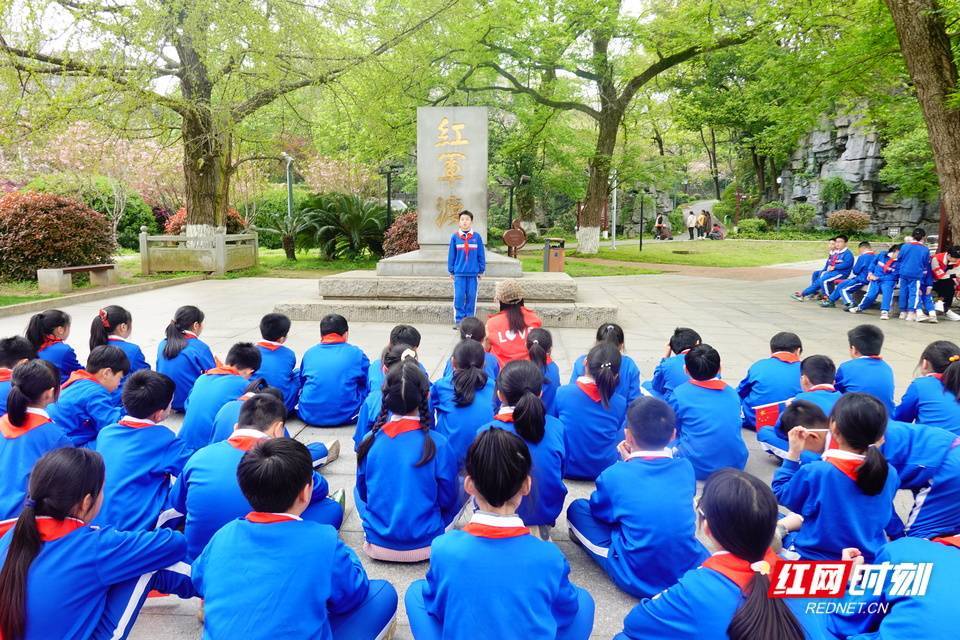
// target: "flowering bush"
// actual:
[[176, 222], [40, 230], [401, 237], [848, 220]]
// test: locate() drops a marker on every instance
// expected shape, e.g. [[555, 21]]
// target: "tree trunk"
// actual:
[[714, 165], [289, 247], [926, 50], [588, 236], [758, 169], [774, 187], [204, 172]]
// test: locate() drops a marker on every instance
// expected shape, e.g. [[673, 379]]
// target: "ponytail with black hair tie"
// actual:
[[29, 503]]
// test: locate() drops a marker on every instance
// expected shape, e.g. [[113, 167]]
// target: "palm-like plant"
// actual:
[[347, 226], [288, 227]]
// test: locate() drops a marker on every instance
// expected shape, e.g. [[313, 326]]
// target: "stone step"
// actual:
[[431, 261], [367, 285]]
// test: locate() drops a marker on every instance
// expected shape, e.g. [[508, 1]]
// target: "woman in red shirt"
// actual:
[[507, 331]]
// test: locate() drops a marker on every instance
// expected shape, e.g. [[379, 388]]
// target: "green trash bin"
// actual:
[[553, 254]]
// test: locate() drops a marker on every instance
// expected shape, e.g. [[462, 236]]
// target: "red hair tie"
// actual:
[[103, 319]]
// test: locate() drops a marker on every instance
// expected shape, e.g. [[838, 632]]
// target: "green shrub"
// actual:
[[401, 237], [566, 222], [801, 215], [348, 227], [751, 225], [835, 191], [495, 236], [848, 220]]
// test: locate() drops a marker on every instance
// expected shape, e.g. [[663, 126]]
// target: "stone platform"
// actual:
[[432, 261], [367, 285]]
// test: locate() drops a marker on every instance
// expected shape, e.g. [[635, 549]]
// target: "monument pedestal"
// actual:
[[432, 261]]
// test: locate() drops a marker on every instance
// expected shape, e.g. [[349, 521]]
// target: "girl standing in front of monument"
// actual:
[[466, 262]]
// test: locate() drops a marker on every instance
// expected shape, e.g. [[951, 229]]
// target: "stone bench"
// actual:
[[61, 281]]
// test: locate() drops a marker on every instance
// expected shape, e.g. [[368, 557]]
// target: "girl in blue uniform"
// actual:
[[540, 346], [182, 355], [113, 325], [88, 400], [370, 408], [670, 373], [493, 579], [592, 413], [404, 334], [726, 597], [26, 431], [519, 388], [463, 401], [63, 578], [47, 332], [407, 484], [845, 499], [278, 362], [472, 329], [14, 351], [629, 384], [933, 399]]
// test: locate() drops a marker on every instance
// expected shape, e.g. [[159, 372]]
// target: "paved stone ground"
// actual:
[[736, 316]]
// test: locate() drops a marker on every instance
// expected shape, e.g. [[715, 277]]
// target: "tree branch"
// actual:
[[520, 88]]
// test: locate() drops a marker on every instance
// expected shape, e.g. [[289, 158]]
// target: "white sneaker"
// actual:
[[903, 315], [911, 317], [884, 315], [952, 315], [932, 317], [938, 306], [855, 310], [921, 316]]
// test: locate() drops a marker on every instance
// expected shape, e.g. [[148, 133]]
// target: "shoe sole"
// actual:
[[333, 452]]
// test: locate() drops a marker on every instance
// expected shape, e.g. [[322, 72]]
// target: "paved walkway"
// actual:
[[734, 315]]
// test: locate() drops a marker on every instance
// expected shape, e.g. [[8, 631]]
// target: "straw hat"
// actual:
[[508, 291]]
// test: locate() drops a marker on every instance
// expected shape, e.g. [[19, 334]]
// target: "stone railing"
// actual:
[[217, 254]]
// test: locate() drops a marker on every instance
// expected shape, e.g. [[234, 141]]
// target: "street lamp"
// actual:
[[642, 192], [389, 171], [510, 185], [289, 159]]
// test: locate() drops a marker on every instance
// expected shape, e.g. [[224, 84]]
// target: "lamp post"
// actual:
[[389, 171], [640, 192], [510, 185]]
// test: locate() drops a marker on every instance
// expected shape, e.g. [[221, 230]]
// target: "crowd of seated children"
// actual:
[[463, 401], [933, 399], [671, 372], [506, 331], [866, 371], [113, 325], [47, 331], [324, 404], [87, 401], [838, 266], [858, 278], [638, 524], [14, 351], [182, 355], [629, 383], [539, 348], [881, 281], [771, 382]]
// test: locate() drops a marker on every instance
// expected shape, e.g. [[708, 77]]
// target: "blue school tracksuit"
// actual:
[[20, 448], [209, 495], [545, 502], [842, 263], [887, 272], [867, 374], [928, 402], [299, 580], [591, 431], [211, 391], [836, 513], [466, 261], [644, 539], [914, 262], [5, 384], [402, 506], [459, 424], [774, 442], [490, 365], [858, 278], [333, 383], [669, 374], [140, 457], [629, 383], [278, 366], [708, 426], [133, 353], [186, 367], [772, 380], [62, 355], [494, 580], [84, 407], [89, 582]]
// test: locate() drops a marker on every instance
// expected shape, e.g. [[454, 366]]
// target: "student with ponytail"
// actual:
[[464, 400], [182, 355], [592, 413], [27, 432], [507, 330], [726, 597], [14, 350], [472, 329], [846, 499], [540, 346], [47, 332], [629, 385], [370, 408], [88, 400], [519, 389], [933, 399], [63, 578], [406, 491], [113, 325], [493, 579]]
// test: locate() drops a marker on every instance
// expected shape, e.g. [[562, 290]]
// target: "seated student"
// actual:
[[182, 355], [866, 372], [670, 373], [708, 416], [831, 259], [463, 401], [141, 455], [726, 597], [113, 325], [933, 399], [772, 381], [26, 431], [371, 406], [914, 263], [944, 270], [471, 328], [278, 362], [215, 388], [325, 590], [592, 413], [817, 374], [400, 334], [207, 492], [47, 332], [407, 483], [837, 267], [333, 376], [629, 385], [506, 331], [799, 413], [882, 279], [13, 351], [523, 413], [87, 401], [857, 280], [493, 579], [63, 578], [639, 523], [845, 499], [539, 347]]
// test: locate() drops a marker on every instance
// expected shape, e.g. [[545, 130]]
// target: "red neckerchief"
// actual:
[[823, 387], [48, 341], [938, 376], [136, 423], [5, 374], [714, 384], [785, 356], [33, 420], [832, 260], [49, 528], [393, 428], [844, 461], [888, 264], [589, 387], [873, 357], [952, 541], [504, 415], [269, 346], [738, 570], [466, 237], [333, 338], [222, 370], [261, 517], [80, 374], [867, 253], [189, 335], [496, 527], [245, 441]]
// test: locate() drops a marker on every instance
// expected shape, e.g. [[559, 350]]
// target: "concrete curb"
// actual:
[[94, 294]]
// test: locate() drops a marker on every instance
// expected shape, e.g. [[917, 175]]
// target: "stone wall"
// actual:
[[841, 147]]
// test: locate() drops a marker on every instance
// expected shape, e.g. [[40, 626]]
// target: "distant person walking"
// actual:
[[691, 223], [702, 224], [658, 227]]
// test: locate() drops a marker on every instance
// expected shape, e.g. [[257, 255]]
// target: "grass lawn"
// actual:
[[724, 253], [583, 269], [274, 264]]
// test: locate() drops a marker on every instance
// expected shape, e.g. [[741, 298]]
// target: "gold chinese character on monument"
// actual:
[[451, 166], [448, 210], [443, 137]]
